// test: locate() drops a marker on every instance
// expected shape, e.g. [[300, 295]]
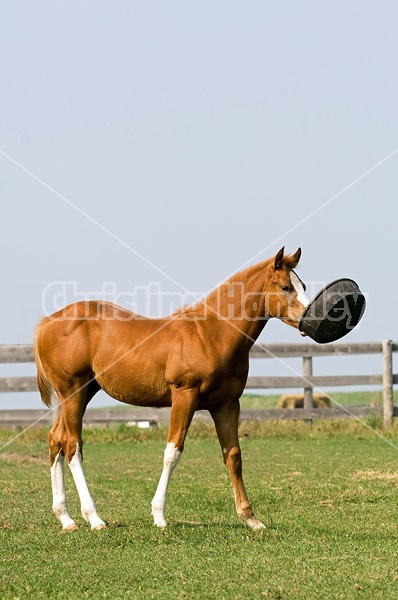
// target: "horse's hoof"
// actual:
[[98, 527], [71, 527], [161, 523], [259, 527], [158, 518], [254, 524]]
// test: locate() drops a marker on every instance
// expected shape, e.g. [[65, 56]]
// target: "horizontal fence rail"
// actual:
[[23, 353]]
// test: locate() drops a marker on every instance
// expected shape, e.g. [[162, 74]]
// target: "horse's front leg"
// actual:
[[226, 420], [184, 404]]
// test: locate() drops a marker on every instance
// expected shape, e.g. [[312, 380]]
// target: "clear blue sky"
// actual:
[[202, 136]]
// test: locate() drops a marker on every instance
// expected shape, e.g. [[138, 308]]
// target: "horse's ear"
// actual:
[[278, 261], [294, 259]]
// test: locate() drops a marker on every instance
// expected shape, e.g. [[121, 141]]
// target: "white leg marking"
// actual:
[[298, 286], [171, 457], [251, 522], [88, 509], [60, 505]]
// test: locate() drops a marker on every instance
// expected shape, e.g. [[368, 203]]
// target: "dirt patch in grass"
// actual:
[[372, 474], [15, 457]]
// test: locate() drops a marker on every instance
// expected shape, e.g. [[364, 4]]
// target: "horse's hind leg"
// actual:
[[88, 509], [66, 440], [60, 505]]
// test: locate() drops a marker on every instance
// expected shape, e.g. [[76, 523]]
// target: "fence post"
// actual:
[[388, 390], [307, 372]]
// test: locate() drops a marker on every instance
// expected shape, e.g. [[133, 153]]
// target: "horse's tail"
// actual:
[[44, 385]]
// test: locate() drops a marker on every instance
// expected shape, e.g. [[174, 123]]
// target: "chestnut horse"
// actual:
[[195, 359]]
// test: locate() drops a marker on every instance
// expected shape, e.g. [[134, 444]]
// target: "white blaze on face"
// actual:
[[298, 286]]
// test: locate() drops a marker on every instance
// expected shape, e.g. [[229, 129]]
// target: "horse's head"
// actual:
[[286, 292]]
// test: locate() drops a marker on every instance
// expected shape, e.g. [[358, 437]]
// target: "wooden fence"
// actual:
[[23, 353]]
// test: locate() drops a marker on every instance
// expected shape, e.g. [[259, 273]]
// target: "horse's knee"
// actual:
[[233, 460], [171, 456]]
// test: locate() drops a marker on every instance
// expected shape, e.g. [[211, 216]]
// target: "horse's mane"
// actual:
[[199, 308]]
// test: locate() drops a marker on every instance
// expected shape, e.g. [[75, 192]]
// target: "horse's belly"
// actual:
[[150, 400], [133, 388]]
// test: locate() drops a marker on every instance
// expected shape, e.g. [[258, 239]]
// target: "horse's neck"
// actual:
[[240, 306]]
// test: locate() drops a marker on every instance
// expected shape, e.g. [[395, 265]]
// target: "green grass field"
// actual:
[[363, 398], [328, 494]]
